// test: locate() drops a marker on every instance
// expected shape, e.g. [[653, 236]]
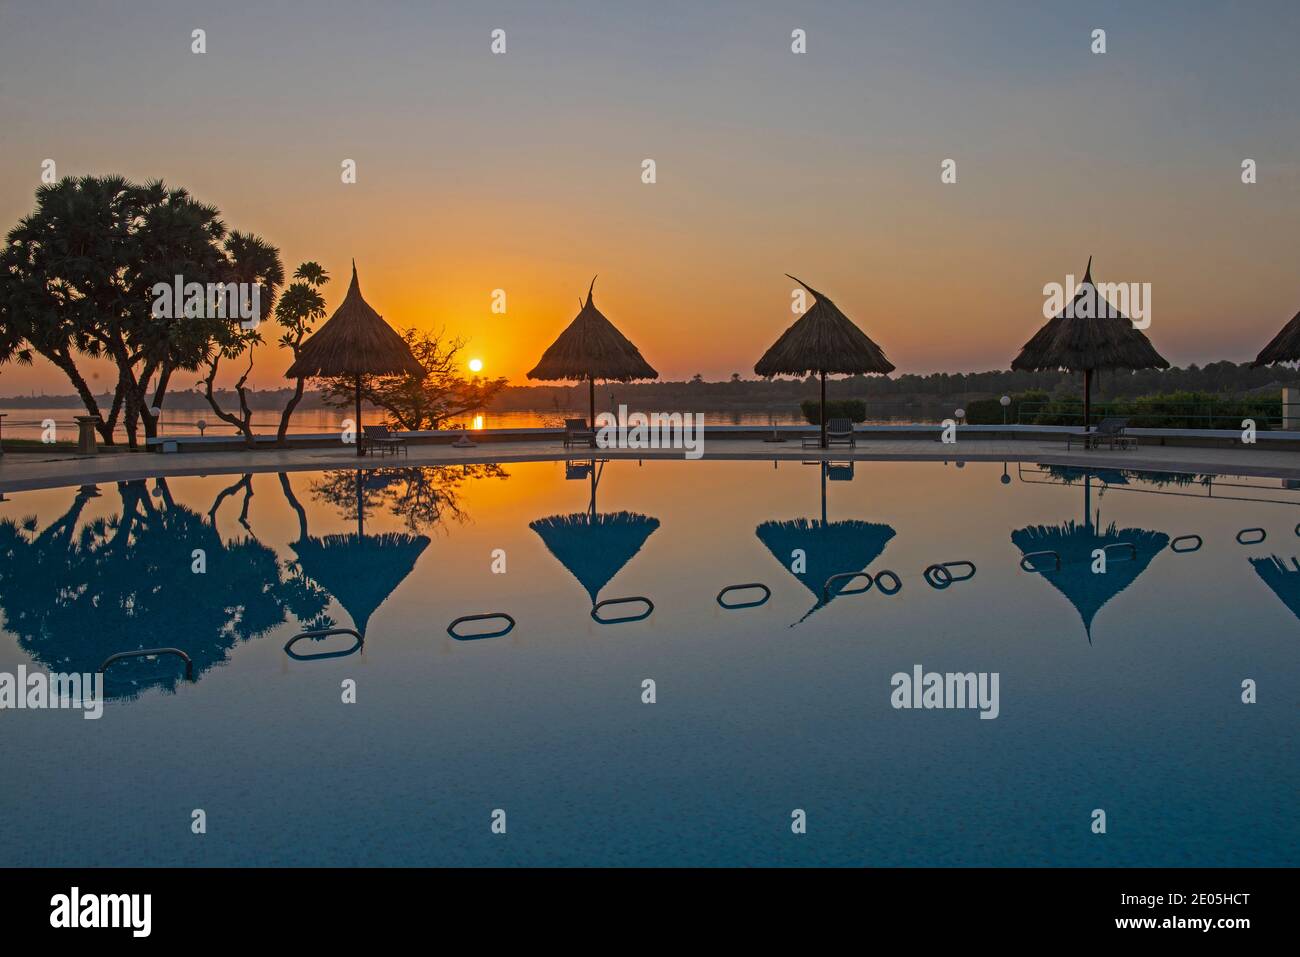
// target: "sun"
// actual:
[[475, 365]]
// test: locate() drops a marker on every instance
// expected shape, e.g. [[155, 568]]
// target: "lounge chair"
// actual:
[[840, 432], [1110, 431], [577, 433], [380, 439]]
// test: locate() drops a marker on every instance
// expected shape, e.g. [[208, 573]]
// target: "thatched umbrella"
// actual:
[[825, 341], [591, 348], [594, 546], [1074, 543], [1284, 347], [1101, 338], [829, 548], [1284, 581], [355, 342], [360, 570]]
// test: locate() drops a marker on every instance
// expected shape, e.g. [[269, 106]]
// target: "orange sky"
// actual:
[[522, 172]]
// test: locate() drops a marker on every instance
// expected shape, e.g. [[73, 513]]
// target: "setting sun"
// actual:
[[475, 365]]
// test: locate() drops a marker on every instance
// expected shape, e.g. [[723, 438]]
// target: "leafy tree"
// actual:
[[251, 260], [77, 279], [426, 402]]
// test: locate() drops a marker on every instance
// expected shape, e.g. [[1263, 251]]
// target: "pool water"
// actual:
[[1119, 691]]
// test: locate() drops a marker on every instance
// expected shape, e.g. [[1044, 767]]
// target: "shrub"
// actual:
[[855, 410]]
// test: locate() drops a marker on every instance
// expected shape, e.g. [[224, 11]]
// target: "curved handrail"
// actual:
[[649, 609], [1173, 545], [846, 576], [451, 629], [1029, 555], [767, 593], [898, 582], [151, 653], [1133, 551], [324, 633], [1254, 541], [940, 574]]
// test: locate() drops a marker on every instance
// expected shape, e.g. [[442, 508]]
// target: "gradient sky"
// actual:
[[522, 171]]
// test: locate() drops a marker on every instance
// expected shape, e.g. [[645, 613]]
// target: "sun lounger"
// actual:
[[380, 439], [1110, 431], [840, 432], [577, 433]]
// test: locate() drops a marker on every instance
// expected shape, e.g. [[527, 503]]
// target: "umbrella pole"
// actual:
[[823, 410], [360, 447], [591, 395], [1087, 400]]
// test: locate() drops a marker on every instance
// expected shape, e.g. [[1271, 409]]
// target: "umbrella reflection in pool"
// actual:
[[359, 570], [828, 548], [1074, 543], [594, 546], [1284, 581]]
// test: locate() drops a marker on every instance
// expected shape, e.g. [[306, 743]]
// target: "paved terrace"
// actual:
[[1276, 455]]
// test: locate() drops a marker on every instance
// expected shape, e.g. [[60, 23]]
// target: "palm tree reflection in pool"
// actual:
[[77, 592]]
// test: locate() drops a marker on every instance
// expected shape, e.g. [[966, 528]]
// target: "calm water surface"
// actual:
[[1119, 691]]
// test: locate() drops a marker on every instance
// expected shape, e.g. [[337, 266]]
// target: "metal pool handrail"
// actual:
[[1028, 555], [324, 633], [1133, 551], [767, 593], [939, 575], [1173, 545], [1254, 541], [451, 629], [595, 609], [846, 576], [151, 653], [898, 582]]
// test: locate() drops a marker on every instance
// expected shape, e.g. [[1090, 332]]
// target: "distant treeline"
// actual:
[[1216, 378]]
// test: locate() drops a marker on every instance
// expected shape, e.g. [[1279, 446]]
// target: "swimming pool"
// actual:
[[1120, 691]]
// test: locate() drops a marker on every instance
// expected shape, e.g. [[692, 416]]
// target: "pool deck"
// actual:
[[20, 471]]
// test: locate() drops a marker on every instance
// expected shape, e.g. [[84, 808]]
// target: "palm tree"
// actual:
[[301, 305]]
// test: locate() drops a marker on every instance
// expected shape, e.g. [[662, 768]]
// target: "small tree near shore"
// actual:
[[418, 404]]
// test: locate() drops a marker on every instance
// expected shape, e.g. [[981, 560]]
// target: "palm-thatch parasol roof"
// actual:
[[1284, 581], [1088, 334], [1284, 347], [825, 341], [354, 341], [591, 348], [595, 547]]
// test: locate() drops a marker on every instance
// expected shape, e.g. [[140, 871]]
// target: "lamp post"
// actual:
[[1006, 402]]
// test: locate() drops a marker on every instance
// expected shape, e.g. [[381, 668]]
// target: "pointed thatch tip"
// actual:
[[591, 348], [1087, 272], [823, 340], [355, 341]]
